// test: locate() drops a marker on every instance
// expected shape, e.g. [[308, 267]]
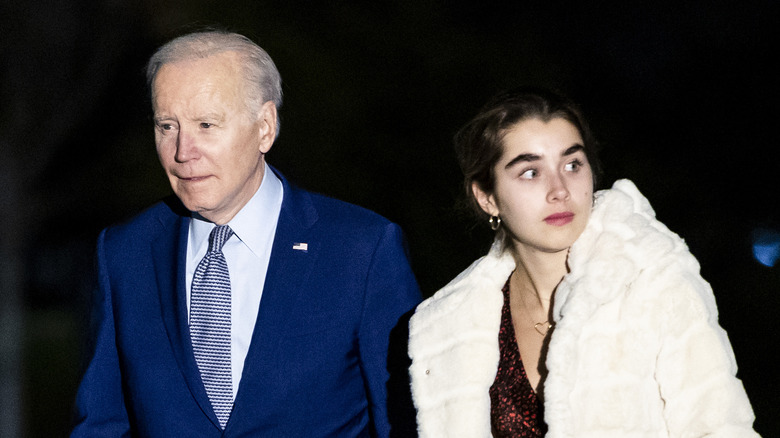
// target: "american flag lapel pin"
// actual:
[[303, 246]]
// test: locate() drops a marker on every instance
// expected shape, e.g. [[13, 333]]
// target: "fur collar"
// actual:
[[453, 335]]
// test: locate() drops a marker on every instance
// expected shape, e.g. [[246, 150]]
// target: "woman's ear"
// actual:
[[486, 201]]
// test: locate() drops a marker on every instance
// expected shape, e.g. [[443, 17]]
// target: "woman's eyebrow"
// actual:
[[573, 149], [522, 158]]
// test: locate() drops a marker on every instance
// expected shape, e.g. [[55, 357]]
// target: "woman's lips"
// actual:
[[559, 219]]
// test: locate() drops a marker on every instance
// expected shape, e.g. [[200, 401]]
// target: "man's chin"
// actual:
[[196, 206]]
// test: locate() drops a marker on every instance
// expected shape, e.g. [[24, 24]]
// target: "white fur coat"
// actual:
[[636, 350]]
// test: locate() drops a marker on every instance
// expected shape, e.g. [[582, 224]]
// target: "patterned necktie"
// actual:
[[210, 324]]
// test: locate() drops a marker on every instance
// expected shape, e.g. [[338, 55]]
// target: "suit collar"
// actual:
[[297, 205]]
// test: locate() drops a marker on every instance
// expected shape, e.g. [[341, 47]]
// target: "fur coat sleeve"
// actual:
[[636, 350]]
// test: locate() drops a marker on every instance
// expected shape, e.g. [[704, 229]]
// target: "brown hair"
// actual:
[[479, 144]]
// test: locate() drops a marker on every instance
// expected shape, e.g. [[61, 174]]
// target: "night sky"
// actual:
[[683, 99]]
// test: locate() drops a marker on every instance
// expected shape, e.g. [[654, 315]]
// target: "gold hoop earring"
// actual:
[[495, 222]]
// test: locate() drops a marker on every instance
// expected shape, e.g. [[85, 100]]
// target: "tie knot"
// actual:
[[219, 235]]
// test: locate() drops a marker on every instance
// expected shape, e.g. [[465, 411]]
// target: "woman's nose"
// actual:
[[558, 190]]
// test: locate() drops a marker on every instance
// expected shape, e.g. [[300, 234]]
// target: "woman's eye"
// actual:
[[528, 174], [574, 165]]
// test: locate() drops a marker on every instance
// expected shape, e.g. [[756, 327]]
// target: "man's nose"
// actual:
[[186, 146]]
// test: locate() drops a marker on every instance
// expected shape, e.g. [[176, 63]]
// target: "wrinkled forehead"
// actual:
[[223, 68], [213, 79]]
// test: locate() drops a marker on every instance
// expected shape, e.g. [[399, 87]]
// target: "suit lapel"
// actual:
[[295, 250], [169, 253]]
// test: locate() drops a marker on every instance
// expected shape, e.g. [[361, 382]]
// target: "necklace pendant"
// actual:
[[542, 327]]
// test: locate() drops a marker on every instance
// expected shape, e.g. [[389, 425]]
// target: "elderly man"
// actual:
[[243, 306]]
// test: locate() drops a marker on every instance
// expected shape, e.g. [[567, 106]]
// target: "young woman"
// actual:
[[587, 317]]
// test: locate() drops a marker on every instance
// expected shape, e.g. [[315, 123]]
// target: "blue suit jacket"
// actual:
[[317, 364]]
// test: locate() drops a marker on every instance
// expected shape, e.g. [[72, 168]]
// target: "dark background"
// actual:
[[682, 97]]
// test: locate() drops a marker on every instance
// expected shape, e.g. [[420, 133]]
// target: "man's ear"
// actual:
[[485, 200], [267, 126]]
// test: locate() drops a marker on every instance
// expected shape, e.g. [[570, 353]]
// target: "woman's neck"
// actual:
[[536, 277]]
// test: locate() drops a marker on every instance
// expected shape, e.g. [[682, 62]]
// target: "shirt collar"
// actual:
[[254, 224]]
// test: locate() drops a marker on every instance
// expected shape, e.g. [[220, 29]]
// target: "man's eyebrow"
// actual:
[[203, 118], [211, 116]]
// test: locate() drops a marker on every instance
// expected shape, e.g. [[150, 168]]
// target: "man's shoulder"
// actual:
[[152, 220], [347, 210], [311, 207], [335, 212]]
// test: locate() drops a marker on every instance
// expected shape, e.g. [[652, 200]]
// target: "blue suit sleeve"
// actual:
[[391, 295], [100, 407]]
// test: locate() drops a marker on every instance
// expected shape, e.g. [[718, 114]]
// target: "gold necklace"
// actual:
[[538, 326]]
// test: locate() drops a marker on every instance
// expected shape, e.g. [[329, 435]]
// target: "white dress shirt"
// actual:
[[247, 253]]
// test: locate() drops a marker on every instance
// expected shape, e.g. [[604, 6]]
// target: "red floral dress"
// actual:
[[515, 411]]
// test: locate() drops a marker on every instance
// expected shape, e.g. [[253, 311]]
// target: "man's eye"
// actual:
[[205, 125], [166, 126]]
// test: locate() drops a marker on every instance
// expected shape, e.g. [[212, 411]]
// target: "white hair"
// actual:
[[262, 78]]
